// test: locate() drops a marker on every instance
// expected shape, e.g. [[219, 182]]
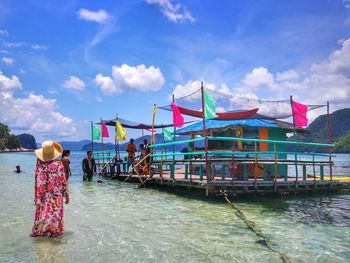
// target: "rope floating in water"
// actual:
[[252, 226]]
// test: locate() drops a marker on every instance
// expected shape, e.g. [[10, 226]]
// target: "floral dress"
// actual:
[[50, 188]]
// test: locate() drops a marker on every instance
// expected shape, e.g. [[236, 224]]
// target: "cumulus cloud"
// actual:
[[259, 77], [74, 83], [9, 83], [286, 75], [127, 77], [38, 47], [8, 61], [100, 16], [33, 113], [107, 84], [191, 88], [174, 12]]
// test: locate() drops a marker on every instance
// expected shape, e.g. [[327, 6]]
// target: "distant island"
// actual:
[[15, 143]]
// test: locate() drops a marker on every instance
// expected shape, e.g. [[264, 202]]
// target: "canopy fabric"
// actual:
[[233, 115], [135, 125], [217, 124]]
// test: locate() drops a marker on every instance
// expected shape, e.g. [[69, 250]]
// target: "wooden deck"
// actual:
[[234, 187]]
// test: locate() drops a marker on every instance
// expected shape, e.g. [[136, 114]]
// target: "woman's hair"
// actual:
[[65, 153]]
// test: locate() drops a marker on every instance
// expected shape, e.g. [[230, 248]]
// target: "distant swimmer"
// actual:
[[18, 169]]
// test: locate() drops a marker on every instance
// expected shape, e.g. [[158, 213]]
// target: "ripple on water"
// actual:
[[118, 222]]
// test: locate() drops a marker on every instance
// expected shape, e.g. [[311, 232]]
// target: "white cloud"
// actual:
[[106, 85], [193, 88], [259, 77], [39, 47], [9, 84], [74, 83], [34, 113], [3, 32], [127, 77], [13, 44], [100, 16], [8, 61], [286, 75], [175, 12]]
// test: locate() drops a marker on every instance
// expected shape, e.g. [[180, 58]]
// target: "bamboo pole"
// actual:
[[255, 162], [152, 138], [233, 163], [275, 162], [103, 156], [329, 141], [174, 139], [294, 133], [92, 137], [205, 141]]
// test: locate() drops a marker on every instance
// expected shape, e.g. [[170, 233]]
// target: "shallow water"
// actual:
[[118, 222]]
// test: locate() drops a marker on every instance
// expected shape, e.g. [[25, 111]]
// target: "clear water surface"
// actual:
[[119, 222]]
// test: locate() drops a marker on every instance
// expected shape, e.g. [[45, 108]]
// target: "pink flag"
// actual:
[[104, 130], [299, 113], [178, 119]]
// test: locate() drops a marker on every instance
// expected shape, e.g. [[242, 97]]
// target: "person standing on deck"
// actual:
[[147, 150], [66, 162], [89, 167], [131, 149]]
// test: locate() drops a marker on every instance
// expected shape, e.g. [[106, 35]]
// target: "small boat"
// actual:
[[232, 115]]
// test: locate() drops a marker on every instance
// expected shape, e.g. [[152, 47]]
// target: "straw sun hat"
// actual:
[[50, 150]]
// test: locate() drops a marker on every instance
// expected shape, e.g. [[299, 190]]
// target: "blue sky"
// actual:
[[65, 63]]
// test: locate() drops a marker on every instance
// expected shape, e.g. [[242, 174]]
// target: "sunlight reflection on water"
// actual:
[[118, 222]]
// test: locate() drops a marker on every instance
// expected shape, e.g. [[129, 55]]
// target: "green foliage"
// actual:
[[4, 131], [318, 132], [12, 142], [343, 143], [340, 124]]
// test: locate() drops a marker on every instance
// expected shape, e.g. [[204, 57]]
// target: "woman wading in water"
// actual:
[[50, 189]]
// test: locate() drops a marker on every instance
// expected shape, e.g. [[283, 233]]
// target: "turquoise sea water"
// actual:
[[118, 222]]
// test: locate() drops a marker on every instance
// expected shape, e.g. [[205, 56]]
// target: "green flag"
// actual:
[[96, 134], [167, 135], [209, 106]]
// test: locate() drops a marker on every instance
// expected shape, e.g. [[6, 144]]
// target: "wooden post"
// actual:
[[205, 141], [152, 138], [295, 139], [275, 161], [103, 156], [304, 172], [233, 163], [92, 137], [255, 163], [329, 141], [313, 166], [174, 139], [116, 140]]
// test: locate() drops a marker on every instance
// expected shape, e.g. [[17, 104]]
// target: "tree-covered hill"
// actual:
[[7, 141], [318, 131]]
